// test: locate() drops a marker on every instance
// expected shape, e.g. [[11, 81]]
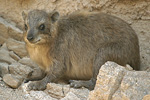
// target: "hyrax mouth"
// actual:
[[34, 40]]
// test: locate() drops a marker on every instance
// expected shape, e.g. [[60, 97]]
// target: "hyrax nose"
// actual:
[[30, 37]]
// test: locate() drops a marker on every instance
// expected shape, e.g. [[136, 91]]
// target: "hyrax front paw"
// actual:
[[37, 85], [78, 84], [75, 84]]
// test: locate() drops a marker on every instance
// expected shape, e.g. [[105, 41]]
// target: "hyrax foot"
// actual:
[[78, 84], [37, 85]]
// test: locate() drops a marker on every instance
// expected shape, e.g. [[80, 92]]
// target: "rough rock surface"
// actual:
[[11, 81], [27, 61], [114, 82], [17, 46], [5, 56], [59, 91], [3, 69], [19, 70], [9, 29]]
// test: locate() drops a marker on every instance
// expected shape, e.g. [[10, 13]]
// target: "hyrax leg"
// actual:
[[55, 73], [35, 75], [88, 84]]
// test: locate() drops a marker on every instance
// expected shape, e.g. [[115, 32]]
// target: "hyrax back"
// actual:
[[75, 46]]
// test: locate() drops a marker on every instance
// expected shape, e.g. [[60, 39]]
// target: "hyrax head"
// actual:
[[39, 26]]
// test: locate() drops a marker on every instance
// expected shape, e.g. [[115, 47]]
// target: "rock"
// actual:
[[20, 70], [40, 95], [14, 56], [133, 83], [5, 57], [2, 40], [59, 91], [114, 82], [3, 31], [128, 67], [4, 47], [15, 33], [70, 96], [108, 80], [8, 29], [147, 97], [24, 87], [17, 47], [28, 62], [11, 81], [3, 69]]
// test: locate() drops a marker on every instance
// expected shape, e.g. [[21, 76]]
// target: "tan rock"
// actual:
[[17, 47], [9, 29], [108, 81], [147, 97], [15, 34], [3, 30], [114, 82], [11, 81]]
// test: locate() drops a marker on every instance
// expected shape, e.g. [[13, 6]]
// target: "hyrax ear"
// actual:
[[54, 16], [24, 15]]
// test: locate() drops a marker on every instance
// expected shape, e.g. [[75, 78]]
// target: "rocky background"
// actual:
[[114, 81]]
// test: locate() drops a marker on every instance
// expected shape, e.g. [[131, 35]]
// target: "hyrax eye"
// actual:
[[42, 27], [25, 27]]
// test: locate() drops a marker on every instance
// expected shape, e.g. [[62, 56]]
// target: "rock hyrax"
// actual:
[[74, 47]]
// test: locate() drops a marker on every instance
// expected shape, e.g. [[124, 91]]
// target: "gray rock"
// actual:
[[28, 62], [20, 70], [115, 82], [3, 69], [134, 86], [14, 56], [17, 47], [37, 72], [5, 57], [11, 81]]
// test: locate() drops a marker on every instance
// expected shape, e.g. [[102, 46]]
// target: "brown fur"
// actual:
[[75, 46]]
